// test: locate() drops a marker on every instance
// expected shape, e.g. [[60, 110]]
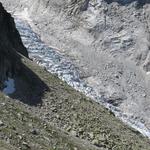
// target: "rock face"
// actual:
[[76, 6], [10, 46]]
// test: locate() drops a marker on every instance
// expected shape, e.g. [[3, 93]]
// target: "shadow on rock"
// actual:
[[139, 3], [30, 89]]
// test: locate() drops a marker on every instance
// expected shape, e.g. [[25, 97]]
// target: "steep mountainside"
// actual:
[[108, 40], [44, 113], [9, 46]]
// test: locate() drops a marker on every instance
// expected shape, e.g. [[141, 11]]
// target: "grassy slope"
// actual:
[[67, 109]]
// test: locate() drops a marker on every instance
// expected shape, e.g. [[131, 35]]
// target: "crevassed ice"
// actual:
[[57, 63]]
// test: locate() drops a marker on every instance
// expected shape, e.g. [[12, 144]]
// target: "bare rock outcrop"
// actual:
[[10, 46]]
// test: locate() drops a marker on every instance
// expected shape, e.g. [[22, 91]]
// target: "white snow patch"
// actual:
[[10, 86], [148, 73], [23, 15]]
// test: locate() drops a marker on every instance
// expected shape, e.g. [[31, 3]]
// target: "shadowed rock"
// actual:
[[29, 87], [10, 43], [124, 2]]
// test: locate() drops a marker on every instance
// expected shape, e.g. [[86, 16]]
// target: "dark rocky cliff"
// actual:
[[10, 46]]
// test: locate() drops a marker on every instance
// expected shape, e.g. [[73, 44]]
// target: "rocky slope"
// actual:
[[19, 128], [108, 40], [46, 113], [65, 119]]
